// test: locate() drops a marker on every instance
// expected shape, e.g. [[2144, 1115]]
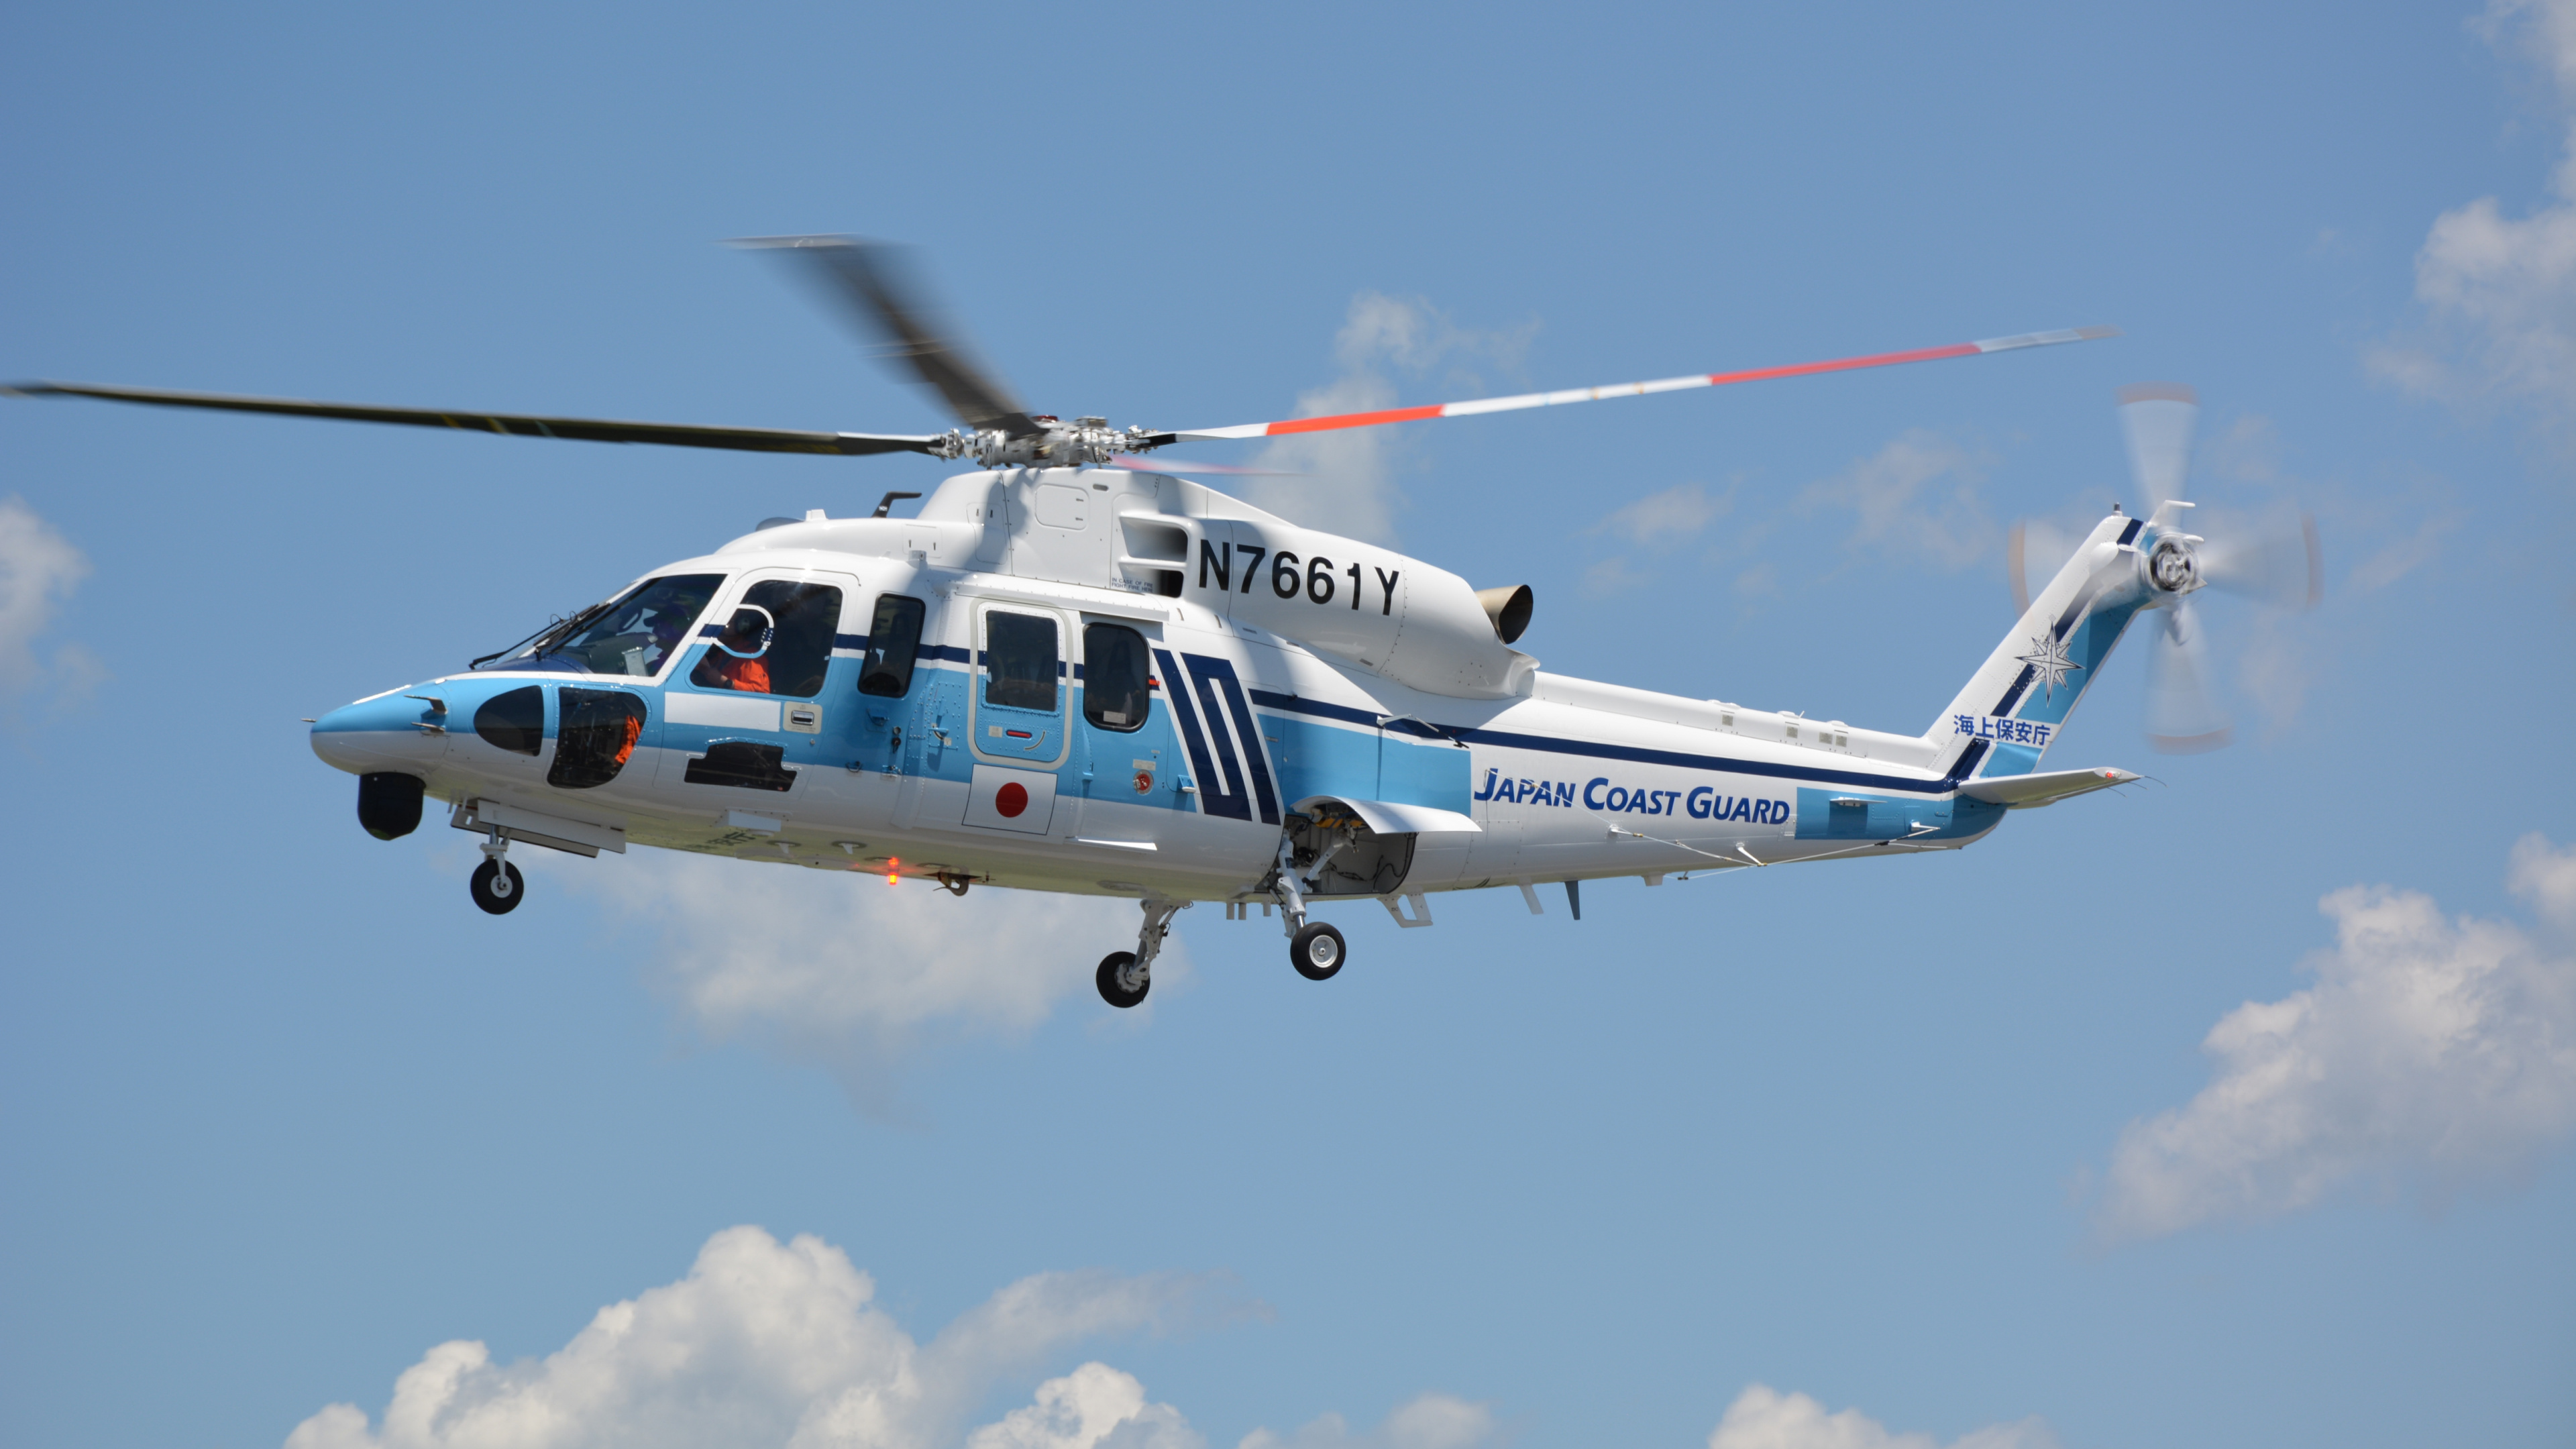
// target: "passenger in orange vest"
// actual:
[[748, 633]]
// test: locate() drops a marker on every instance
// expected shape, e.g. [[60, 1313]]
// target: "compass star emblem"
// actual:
[[2048, 656]]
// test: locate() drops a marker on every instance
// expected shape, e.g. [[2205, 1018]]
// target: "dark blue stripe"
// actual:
[[1212, 799], [850, 641], [1967, 762], [1316, 707], [2083, 600], [1594, 749], [948, 652], [2012, 696]]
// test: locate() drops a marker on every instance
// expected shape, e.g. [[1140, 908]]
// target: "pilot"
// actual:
[[720, 670], [667, 628]]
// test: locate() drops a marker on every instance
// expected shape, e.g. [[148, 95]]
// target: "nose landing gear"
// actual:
[[496, 884]]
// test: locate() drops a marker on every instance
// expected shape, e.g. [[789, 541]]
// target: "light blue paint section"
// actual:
[[1439, 775], [1315, 758], [2089, 644], [1886, 817]]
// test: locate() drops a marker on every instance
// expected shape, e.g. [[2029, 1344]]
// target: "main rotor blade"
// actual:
[[891, 301], [1638, 389], [587, 430]]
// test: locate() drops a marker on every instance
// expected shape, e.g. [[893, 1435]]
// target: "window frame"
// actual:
[[519, 661], [987, 676], [982, 713], [869, 665], [1145, 685], [736, 596]]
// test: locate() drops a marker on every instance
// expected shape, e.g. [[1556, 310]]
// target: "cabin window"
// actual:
[[778, 641], [1020, 661], [894, 644], [1117, 677]]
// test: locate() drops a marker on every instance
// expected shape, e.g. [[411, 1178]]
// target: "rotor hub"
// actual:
[[1083, 442], [2172, 566]]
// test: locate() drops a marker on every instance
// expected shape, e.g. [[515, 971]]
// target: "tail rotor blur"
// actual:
[[2182, 717], [2279, 564]]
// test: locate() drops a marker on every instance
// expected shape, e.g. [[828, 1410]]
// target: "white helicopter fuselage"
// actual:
[[1357, 705]]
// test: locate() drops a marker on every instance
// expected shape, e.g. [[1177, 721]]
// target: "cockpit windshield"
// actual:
[[630, 634]]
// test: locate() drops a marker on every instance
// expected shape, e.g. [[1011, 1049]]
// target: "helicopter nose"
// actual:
[[390, 731]]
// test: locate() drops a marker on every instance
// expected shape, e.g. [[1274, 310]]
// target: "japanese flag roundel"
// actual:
[[1000, 799]]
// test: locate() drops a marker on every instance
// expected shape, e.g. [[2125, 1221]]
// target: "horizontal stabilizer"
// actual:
[[2026, 792]]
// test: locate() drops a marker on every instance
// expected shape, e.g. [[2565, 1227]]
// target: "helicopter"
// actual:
[[1075, 669]]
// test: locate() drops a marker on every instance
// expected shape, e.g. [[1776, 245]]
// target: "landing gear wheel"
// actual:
[[1122, 984], [1316, 951], [497, 886]]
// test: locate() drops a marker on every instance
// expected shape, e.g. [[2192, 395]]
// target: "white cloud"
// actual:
[[1348, 476], [1764, 1418], [1919, 496], [39, 569], [1094, 1407], [765, 1343], [768, 1343], [1667, 519], [2435, 1051], [1613, 575], [2403, 556], [840, 969], [2501, 291], [1431, 1421], [1658, 523], [2546, 877]]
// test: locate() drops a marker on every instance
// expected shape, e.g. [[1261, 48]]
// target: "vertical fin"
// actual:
[[2015, 703]]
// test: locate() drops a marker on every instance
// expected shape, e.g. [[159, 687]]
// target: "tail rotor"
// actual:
[[2279, 565]]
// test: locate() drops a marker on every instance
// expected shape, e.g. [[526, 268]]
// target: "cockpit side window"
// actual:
[[779, 641], [1117, 677], [894, 644], [632, 634]]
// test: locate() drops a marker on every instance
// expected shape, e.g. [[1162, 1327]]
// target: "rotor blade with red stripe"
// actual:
[[1640, 389]]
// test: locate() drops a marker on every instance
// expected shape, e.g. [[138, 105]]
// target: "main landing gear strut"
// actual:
[[497, 884], [1314, 948], [1125, 976]]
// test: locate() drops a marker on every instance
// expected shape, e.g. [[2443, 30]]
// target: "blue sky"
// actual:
[[2231, 1111]]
